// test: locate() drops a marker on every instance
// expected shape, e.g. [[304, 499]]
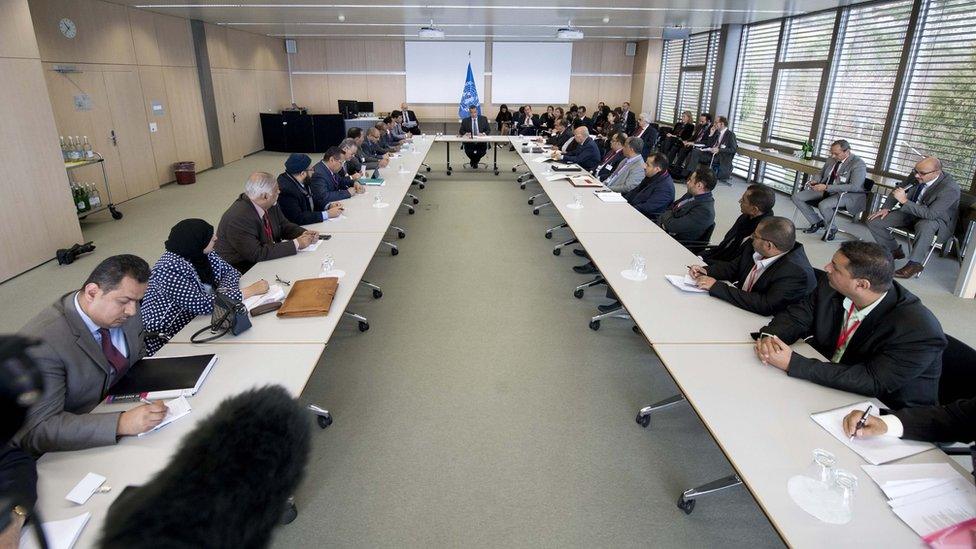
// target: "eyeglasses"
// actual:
[[285, 282], [919, 172]]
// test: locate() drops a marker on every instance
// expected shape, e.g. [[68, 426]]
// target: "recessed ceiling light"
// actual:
[[342, 18], [606, 19]]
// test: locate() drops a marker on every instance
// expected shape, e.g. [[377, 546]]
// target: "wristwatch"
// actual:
[[21, 512]]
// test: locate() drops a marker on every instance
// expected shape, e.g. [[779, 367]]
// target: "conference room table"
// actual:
[[494, 140], [134, 460], [705, 346]]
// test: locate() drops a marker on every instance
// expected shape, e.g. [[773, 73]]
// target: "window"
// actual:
[[705, 104], [757, 53], [938, 102], [795, 102], [867, 58], [670, 73]]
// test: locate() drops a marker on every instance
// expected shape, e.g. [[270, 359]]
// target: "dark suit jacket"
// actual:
[[684, 132], [520, 121], [328, 187], [895, 354], [559, 139], [609, 164], [483, 126], [583, 121], [587, 155], [650, 137], [788, 280], [241, 239], [412, 118], [297, 202], [728, 249], [700, 133], [77, 376], [688, 223], [939, 203], [726, 151], [630, 123], [954, 422], [653, 195]]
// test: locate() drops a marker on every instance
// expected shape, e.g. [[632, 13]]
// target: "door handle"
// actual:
[[114, 138], [234, 114]]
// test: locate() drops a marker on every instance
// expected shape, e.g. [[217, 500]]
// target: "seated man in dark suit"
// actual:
[[586, 153], [328, 184], [560, 135], [89, 340], [755, 204], [472, 126], [528, 123], [880, 340], [699, 137], [628, 118], [410, 122], [675, 137], [363, 158], [928, 205], [349, 170], [656, 191], [582, 119], [771, 273], [690, 216], [843, 172], [253, 229], [372, 146], [718, 151], [387, 142], [615, 153], [296, 199]]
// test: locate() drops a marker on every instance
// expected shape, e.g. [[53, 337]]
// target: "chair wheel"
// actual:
[[548, 235], [496, 172], [557, 251], [422, 186], [394, 251], [290, 513], [522, 186], [448, 172], [578, 294], [401, 234], [377, 294], [686, 505], [324, 420], [513, 169], [411, 211], [115, 213], [363, 326], [531, 201], [416, 201], [428, 169], [643, 420], [535, 212], [594, 325]]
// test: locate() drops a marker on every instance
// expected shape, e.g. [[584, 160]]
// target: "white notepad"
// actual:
[[175, 409], [610, 197], [275, 293], [60, 534], [876, 450], [685, 283], [311, 247]]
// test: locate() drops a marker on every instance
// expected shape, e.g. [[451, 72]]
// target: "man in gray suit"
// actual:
[[843, 172], [89, 339], [927, 205], [630, 171]]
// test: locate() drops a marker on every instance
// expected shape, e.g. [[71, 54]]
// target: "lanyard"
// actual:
[[845, 332]]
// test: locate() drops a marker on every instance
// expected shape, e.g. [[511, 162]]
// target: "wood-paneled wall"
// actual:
[[600, 72], [129, 59], [647, 75], [250, 76], [37, 210]]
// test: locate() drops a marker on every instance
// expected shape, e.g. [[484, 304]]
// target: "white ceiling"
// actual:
[[496, 19]]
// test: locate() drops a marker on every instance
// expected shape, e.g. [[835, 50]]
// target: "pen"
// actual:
[[861, 422], [144, 400]]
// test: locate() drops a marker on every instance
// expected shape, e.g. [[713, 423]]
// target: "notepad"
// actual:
[[175, 409], [275, 293], [876, 450], [371, 182], [60, 534], [610, 197], [685, 283], [311, 247]]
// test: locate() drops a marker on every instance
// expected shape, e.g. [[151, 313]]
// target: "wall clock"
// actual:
[[68, 28]]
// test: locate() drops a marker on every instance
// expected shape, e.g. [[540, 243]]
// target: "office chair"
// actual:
[[957, 382], [946, 239], [550, 230], [827, 236]]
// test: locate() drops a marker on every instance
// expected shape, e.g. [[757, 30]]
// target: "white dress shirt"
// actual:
[[116, 334], [761, 264]]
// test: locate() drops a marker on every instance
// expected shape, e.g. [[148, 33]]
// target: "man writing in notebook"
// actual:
[[89, 340], [879, 339]]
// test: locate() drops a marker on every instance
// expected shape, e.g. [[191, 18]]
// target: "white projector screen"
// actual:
[[530, 72], [436, 70]]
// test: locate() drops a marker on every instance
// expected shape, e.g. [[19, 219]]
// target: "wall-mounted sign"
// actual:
[[157, 108], [83, 102]]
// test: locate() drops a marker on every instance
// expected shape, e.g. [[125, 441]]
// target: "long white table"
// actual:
[[771, 438], [134, 460], [494, 140]]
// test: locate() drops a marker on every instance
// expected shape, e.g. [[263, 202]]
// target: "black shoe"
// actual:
[[898, 253], [830, 235], [586, 268], [581, 253], [609, 307], [814, 228]]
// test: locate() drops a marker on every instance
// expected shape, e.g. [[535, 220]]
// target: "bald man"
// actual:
[[927, 204], [586, 154], [410, 122]]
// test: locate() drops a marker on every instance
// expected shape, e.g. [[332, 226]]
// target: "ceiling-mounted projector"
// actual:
[[569, 33], [675, 33], [431, 32]]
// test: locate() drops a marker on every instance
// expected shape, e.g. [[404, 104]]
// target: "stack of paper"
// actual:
[[175, 409], [611, 197], [311, 247], [60, 534], [928, 496], [685, 283], [876, 450]]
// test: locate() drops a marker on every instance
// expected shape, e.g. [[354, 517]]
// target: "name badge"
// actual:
[[722, 147], [843, 179]]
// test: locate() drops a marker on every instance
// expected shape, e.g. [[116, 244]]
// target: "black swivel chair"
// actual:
[[868, 185]]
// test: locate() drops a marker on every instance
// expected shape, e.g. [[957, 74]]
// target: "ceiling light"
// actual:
[[341, 18], [431, 32], [606, 18], [569, 32]]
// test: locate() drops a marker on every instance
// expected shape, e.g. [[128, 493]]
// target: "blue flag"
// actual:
[[469, 96]]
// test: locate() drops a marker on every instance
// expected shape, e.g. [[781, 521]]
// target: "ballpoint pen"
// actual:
[[861, 422]]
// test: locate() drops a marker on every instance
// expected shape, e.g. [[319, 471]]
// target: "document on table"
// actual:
[[543, 159], [275, 293], [938, 508], [610, 197], [899, 480], [685, 283], [876, 450], [311, 247], [337, 218], [60, 534], [175, 409]]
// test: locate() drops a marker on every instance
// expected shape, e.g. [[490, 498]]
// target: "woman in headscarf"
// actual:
[[183, 282]]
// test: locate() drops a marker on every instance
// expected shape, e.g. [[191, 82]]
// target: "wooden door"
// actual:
[[247, 86], [224, 97], [131, 129]]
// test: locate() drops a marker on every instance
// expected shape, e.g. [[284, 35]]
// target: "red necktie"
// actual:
[[118, 361], [751, 279], [833, 173], [846, 331], [267, 228]]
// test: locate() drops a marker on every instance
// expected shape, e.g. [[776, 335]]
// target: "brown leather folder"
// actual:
[[309, 297]]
